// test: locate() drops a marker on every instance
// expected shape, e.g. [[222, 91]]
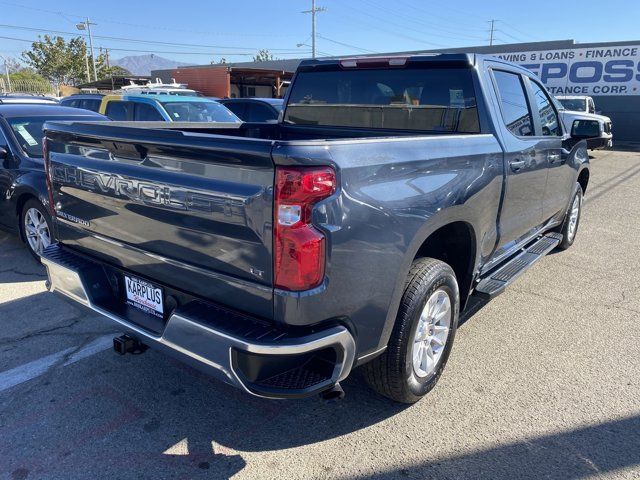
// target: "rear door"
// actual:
[[525, 163], [119, 110]]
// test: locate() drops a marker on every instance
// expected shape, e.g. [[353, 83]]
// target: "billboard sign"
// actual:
[[584, 71]]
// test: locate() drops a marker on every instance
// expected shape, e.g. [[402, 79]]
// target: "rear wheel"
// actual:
[[571, 222], [35, 224], [422, 336]]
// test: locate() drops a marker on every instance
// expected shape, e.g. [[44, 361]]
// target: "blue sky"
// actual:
[[235, 30]]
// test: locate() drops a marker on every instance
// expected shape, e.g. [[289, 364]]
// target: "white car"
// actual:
[[583, 108]]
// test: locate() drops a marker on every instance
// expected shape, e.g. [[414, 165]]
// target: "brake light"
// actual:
[[373, 62], [47, 174], [299, 247]]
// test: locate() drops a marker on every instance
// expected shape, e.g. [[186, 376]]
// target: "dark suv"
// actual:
[[88, 101], [254, 109]]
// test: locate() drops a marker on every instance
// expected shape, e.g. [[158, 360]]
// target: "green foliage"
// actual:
[[112, 71], [263, 55], [57, 60], [65, 62], [26, 75]]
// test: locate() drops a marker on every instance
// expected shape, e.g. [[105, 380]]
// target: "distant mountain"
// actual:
[[143, 64]]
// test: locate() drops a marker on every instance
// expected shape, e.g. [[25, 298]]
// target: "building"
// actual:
[[247, 79], [609, 72]]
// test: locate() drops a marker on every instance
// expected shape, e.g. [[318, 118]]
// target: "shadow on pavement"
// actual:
[[572, 454]]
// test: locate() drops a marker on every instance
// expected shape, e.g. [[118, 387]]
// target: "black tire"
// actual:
[[569, 237], [392, 374], [34, 204]]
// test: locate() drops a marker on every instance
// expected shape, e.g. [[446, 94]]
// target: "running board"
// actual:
[[496, 281]]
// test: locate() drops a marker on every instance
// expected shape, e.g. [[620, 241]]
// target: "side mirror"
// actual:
[[3, 153], [584, 129]]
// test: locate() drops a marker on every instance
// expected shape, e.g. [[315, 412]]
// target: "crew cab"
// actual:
[[393, 194], [575, 107]]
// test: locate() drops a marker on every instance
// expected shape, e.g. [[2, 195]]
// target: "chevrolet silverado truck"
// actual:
[[392, 194]]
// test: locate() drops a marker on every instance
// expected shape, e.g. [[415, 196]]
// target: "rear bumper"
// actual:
[[240, 350]]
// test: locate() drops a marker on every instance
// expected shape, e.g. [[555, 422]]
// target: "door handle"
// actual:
[[517, 165]]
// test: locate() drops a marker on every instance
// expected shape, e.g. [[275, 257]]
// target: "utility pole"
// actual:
[[492, 30], [86, 25], [106, 56], [313, 12], [6, 71]]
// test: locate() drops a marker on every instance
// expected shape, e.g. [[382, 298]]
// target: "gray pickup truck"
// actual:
[[392, 194]]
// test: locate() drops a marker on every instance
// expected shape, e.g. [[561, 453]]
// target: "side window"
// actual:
[[147, 113], [548, 115], [90, 104], [257, 112], [515, 110], [238, 108], [117, 110], [592, 107]]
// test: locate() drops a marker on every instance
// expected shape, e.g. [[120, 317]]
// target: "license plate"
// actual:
[[144, 295]]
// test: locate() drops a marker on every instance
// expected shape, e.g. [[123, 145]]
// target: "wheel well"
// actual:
[[22, 199], [583, 179], [454, 244]]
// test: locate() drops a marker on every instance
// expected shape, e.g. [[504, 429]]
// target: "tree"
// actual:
[[57, 60], [112, 71], [12, 65], [263, 55]]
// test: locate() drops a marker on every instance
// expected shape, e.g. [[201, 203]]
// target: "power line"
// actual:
[[519, 31], [156, 27], [294, 52], [365, 50], [454, 34], [137, 40]]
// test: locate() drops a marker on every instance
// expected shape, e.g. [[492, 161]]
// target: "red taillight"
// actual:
[[47, 173], [299, 247]]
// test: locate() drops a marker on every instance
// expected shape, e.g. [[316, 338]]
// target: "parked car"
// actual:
[[577, 103], [583, 108], [24, 203], [88, 101], [13, 98], [255, 109], [164, 108], [393, 192]]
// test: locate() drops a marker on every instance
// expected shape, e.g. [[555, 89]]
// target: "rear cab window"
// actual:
[[426, 99]]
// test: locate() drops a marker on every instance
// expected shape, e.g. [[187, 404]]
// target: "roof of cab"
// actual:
[[150, 98], [449, 58], [41, 110]]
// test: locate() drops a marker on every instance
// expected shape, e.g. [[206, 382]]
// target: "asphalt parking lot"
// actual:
[[543, 382]]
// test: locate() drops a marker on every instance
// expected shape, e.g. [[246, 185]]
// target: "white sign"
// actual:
[[584, 71]]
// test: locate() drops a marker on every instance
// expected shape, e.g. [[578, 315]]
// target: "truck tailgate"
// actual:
[[190, 211]]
